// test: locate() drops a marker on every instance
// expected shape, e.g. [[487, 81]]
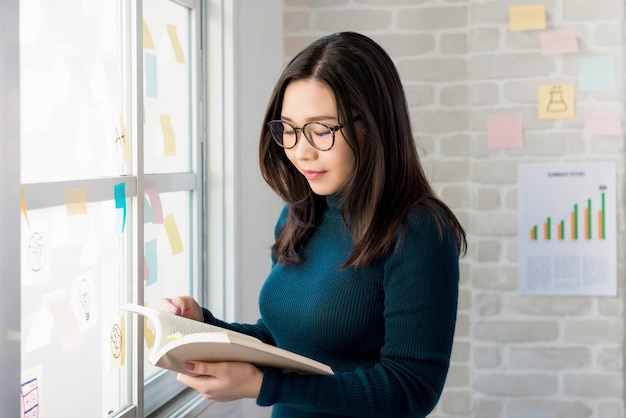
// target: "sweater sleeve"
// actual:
[[421, 291]]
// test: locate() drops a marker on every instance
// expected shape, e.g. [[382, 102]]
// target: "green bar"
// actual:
[[603, 225], [575, 222], [549, 228], [589, 218], [562, 236], [535, 232]]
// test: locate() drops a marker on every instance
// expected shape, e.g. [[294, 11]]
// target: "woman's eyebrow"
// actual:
[[312, 119]]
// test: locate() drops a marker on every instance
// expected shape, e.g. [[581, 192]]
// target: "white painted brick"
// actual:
[[460, 351], [297, 21], [436, 121], [458, 375], [457, 196], [513, 331], [484, 94], [465, 299], [594, 330], [489, 409], [583, 10], [548, 408], [453, 44], [455, 403], [487, 198], [593, 385], [455, 95], [408, 44], [610, 410], [546, 358], [419, 95], [549, 306], [509, 65], [440, 18], [359, 20], [484, 39], [516, 385], [609, 359], [488, 304], [455, 146], [489, 251], [494, 278], [433, 69], [486, 357], [607, 35]]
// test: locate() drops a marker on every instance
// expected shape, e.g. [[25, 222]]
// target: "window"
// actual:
[[111, 176]]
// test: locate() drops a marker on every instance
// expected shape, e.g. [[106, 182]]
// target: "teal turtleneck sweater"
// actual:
[[386, 329]]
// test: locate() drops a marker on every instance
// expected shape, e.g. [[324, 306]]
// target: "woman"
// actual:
[[365, 263]]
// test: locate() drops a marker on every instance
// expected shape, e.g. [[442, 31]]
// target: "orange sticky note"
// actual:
[[169, 139], [148, 43], [24, 211], [172, 233], [176, 46], [75, 201], [556, 102], [527, 17]]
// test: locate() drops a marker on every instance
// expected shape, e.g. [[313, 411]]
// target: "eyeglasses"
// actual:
[[320, 135]]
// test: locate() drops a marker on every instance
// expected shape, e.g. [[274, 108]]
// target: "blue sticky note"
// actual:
[[596, 73], [150, 70], [119, 191], [150, 257], [148, 216]]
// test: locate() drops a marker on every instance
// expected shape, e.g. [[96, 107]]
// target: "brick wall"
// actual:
[[515, 356]]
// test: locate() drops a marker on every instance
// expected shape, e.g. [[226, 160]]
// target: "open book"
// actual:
[[178, 340]]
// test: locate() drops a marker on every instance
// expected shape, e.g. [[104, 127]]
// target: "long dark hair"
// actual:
[[388, 179]]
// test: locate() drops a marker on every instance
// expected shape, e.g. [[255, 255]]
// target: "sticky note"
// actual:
[[126, 141], [172, 233], [527, 17], [596, 73], [176, 46], [148, 217], [169, 139], [504, 131], [556, 102], [150, 72], [75, 201], [150, 189], [115, 345], [23, 204], [558, 42], [65, 322], [148, 43], [603, 122], [175, 336], [151, 265], [119, 191]]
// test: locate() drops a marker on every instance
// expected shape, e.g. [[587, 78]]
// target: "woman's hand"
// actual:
[[182, 306], [225, 381]]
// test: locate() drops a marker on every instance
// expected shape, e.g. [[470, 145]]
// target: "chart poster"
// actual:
[[567, 228]]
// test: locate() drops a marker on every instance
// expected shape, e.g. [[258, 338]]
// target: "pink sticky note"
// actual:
[[150, 189], [558, 42], [504, 131], [603, 122]]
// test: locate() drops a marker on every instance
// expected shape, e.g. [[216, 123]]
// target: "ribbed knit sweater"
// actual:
[[385, 329]]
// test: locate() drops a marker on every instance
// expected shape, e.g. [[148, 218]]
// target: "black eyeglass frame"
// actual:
[[298, 130]]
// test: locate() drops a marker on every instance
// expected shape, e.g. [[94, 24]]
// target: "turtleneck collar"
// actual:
[[332, 201]]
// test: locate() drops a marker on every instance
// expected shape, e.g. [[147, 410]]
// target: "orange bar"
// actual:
[[600, 226], [587, 224], [559, 232], [572, 217], [532, 234], [545, 231]]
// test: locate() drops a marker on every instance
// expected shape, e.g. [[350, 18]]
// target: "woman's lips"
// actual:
[[313, 175]]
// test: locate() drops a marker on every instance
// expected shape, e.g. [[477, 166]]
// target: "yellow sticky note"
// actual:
[[126, 142], [527, 17], [556, 102], [175, 336], [148, 43], [169, 139], [117, 344], [176, 46], [172, 233], [148, 333], [75, 201], [24, 211]]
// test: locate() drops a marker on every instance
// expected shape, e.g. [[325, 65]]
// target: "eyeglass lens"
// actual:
[[318, 135]]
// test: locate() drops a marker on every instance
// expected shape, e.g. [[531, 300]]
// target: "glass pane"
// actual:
[[71, 90], [167, 251], [74, 274], [167, 87]]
